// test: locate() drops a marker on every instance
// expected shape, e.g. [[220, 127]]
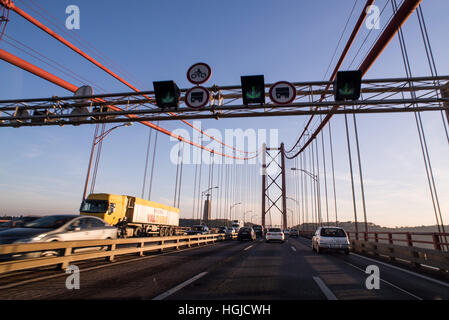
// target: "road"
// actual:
[[230, 270]]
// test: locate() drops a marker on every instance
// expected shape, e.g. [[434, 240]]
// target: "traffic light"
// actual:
[[253, 89], [347, 85], [167, 94]]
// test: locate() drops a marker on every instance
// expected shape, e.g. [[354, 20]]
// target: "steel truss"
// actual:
[[274, 182], [378, 96]]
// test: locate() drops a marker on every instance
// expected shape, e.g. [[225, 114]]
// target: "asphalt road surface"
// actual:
[[230, 270]]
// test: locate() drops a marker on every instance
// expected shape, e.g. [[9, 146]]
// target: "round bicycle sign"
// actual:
[[282, 92], [197, 97], [199, 73]]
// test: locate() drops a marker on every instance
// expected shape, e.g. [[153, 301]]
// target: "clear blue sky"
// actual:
[[42, 170]]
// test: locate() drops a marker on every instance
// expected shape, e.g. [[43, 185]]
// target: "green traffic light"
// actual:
[[253, 94], [346, 90], [168, 98]]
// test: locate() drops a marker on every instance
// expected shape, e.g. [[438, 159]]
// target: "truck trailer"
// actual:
[[134, 217]]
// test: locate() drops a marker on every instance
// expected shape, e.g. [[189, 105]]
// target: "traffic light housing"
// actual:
[[167, 94], [347, 85], [253, 89]]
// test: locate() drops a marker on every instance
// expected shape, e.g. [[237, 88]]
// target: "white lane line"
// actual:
[[327, 292], [179, 287], [248, 247], [394, 286], [293, 248], [404, 270]]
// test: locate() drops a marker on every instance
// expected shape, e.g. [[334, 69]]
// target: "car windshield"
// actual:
[[274, 230], [50, 222], [94, 206], [332, 232], [198, 228]]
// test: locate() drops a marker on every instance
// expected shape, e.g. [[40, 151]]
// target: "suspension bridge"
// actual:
[[285, 185]]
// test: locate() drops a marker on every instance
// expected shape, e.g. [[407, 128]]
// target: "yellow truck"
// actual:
[[134, 217]]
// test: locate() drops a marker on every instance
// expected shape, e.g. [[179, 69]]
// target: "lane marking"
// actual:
[[404, 270], [179, 287], [394, 286], [293, 248], [28, 281], [327, 292], [248, 247]]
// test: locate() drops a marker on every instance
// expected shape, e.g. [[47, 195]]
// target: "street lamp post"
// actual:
[[230, 208], [205, 193], [97, 140]]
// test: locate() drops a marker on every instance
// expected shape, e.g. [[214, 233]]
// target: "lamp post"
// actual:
[[205, 193], [230, 208], [97, 140], [244, 215]]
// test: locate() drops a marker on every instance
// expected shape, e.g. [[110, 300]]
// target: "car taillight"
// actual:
[[268, 234]]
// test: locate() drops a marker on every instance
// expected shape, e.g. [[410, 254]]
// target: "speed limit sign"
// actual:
[[199, 73]]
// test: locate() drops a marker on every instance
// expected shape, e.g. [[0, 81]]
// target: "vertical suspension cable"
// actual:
[[325, 173], [180, 176], [360, 174], [318, 181], [333, 172], [352, 177], [422, 137], [146, 163], [152, 162], [97, 160], [177, 169]]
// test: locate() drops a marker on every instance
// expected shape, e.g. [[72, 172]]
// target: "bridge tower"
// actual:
[[274, 193]]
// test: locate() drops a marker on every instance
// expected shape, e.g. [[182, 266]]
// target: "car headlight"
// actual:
[[27, 240]]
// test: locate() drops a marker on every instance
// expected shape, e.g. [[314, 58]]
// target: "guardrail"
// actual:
[[427, 240], [67, 252], [416, 248]]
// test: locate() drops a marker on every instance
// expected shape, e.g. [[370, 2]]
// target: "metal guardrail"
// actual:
[[72, 251], [427, 240], [418, 257], [417, 248]]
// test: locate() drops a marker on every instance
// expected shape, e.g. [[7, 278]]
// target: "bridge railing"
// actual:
[[428, 240], [61, 254]]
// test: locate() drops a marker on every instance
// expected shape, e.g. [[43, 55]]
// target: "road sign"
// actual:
[[167, 94], [347, 85], [197, 97], [282, 92], [199, 73], [253, 89]]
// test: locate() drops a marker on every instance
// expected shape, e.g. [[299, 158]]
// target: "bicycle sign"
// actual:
[[199, 73], [282, 92], [197, 97]]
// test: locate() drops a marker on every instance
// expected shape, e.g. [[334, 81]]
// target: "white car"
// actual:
[[330, 238], [274, 234]]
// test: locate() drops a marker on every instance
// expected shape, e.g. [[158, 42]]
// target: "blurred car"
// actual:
[[199, 229], [17, 222], [222, 230], [286, 232], [230, 233], [58, 228], [246, 233], [294, 233], [330, 238], [258, 230], [274, 234]]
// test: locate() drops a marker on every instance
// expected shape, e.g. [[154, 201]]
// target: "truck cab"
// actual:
[[111, 208]]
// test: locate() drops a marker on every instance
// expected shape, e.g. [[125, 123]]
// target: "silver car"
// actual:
[[330, 238], [60, 228]]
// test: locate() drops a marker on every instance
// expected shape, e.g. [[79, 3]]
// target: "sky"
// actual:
[[43, 169]]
